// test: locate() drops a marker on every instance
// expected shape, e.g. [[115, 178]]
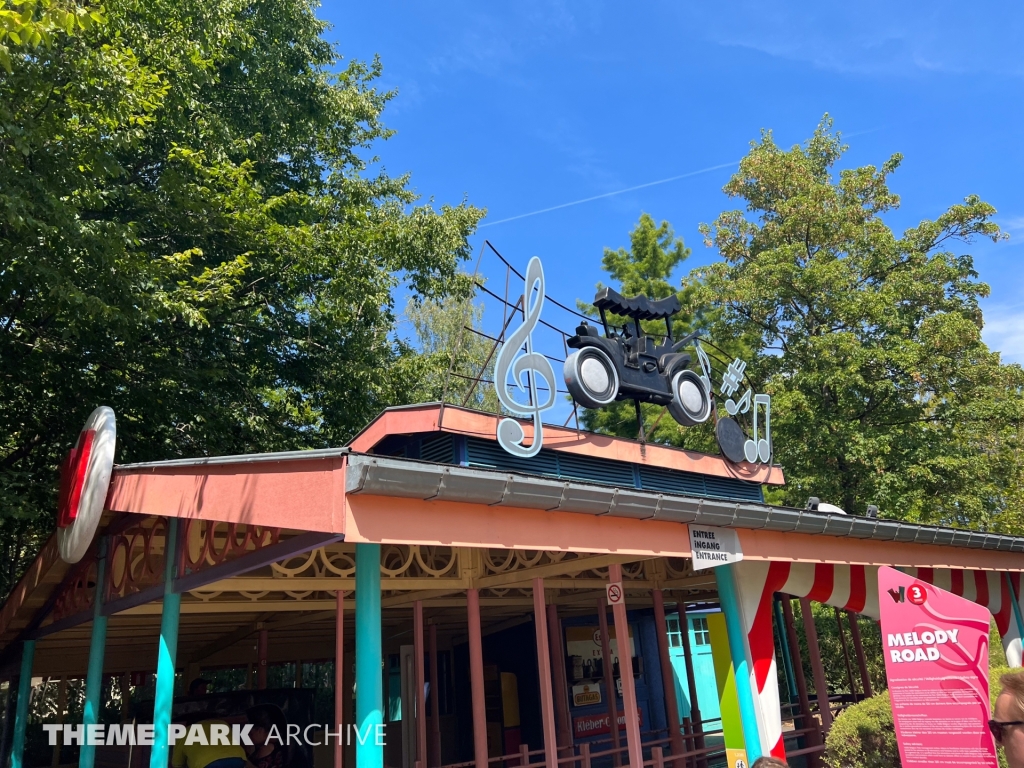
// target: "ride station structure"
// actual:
[[454, 571], [487, 575]]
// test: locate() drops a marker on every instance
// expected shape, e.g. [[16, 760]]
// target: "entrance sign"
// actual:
[[936, 661], [714, 546], [613, 592], [531, 365], [84, 480]]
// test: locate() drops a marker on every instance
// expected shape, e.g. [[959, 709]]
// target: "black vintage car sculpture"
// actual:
[[629, 365]]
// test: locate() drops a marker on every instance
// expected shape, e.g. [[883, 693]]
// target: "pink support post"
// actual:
[[820, 683], [668, 679], [547, 706], [261, 658], [609, 676], [476, 677], [858, 649], [421, 684], [636, 753], [435, 705], [563, 726], [339, 674]]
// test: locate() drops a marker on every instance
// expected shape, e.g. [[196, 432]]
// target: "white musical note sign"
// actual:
[[530, 365], [756, 448], [760, 449]]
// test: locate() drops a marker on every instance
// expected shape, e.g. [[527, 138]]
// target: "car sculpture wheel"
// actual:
[[590, 377], [691, 403]]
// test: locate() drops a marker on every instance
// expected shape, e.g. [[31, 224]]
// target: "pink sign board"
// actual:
[[936, 661]]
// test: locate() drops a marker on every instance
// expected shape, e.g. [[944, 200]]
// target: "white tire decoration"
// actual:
[[691, 403], [85, 478], [591, 377]]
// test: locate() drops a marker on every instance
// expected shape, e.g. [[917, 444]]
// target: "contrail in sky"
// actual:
[[611, 194]]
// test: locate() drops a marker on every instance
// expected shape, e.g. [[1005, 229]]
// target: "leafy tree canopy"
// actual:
[[192, 231], [869, 342]]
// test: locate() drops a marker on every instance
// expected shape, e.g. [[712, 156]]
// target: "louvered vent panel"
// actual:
[[440, 449], [484, 453], [670, 481], [731, 488], [573, 467]]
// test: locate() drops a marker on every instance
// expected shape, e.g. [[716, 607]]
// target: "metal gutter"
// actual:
[[247, 458], [409, 478]]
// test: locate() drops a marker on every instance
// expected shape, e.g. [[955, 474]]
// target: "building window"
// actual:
[[701, 635], [675, 637]]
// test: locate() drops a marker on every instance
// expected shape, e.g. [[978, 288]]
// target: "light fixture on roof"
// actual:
[[832, 509], [814, 504], [872, 510]]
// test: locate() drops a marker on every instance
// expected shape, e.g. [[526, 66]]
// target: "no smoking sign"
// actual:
[[614, 592]]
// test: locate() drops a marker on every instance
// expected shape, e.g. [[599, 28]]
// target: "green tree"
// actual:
[[453, 353], [28, 23], [190, 232], [868, 342]]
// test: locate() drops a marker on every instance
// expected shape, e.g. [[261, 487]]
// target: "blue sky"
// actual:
[[530, 105]]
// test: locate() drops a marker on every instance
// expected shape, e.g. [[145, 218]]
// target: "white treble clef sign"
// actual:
[[531, 364]]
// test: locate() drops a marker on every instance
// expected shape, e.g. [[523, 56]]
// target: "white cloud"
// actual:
[[872, 38], [494, 43], [1013, 225], [1004, 331]]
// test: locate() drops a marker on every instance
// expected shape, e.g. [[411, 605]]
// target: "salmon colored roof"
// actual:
[[433, 417]]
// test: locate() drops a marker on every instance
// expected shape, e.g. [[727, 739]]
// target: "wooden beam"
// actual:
[[411, 597], [325, 584], [687, 582], [225, 641], [281, 606], [575, 565]]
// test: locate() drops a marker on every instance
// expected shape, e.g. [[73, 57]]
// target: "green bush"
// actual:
[[864, 736]]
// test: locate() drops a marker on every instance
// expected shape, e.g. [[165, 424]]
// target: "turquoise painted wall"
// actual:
[[703, 668]]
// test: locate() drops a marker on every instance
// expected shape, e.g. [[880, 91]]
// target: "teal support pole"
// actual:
[[729, 600], [94, 675], [1016, 610], [28, 652], [369, 659], [787, 658], [164, 698]]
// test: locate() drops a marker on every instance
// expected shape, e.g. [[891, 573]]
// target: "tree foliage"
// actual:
[[193, 230], [456, 362], [869, 342], [26, 24]]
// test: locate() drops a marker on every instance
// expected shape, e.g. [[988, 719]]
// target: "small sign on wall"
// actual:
[[588, 693], [595, 725], [714, 546], [614, 592]]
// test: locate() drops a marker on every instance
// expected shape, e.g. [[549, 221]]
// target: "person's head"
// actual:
[[198, 687], [1007, 722], [769, 762], [263, 718]]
